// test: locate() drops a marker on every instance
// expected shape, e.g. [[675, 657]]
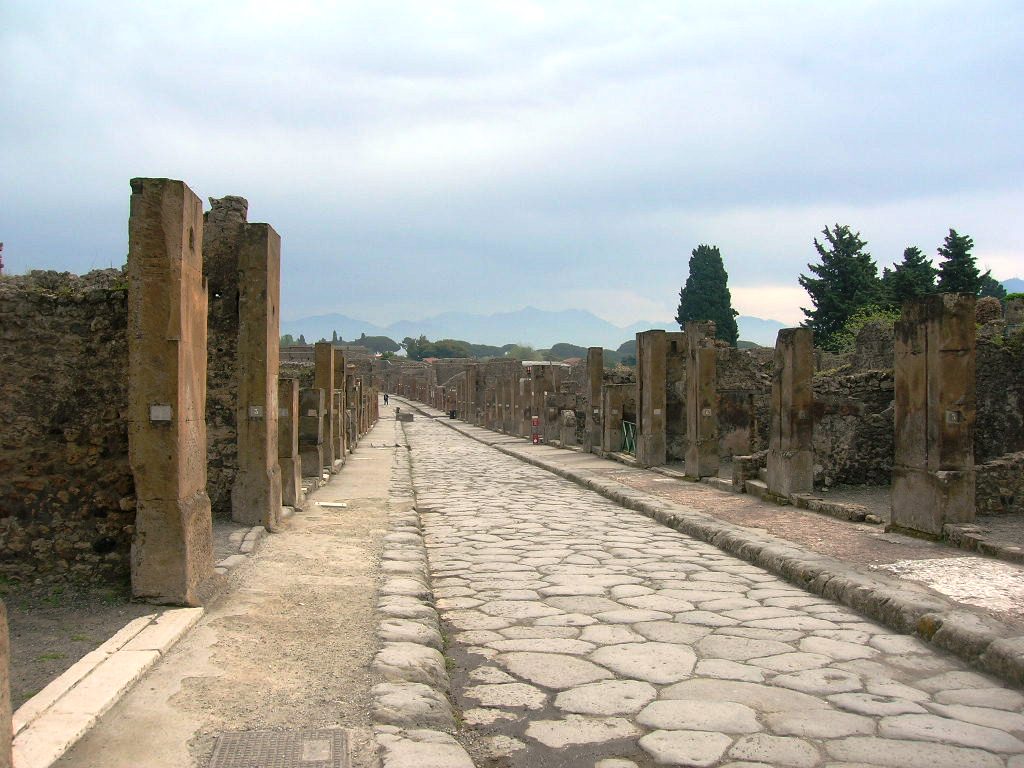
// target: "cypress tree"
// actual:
[[958, 272], [912, 277], [847, 280], [706, 294]]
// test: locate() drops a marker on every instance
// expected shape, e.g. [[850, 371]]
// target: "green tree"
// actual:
[[958, 272], [334, 337], [522, 352], [302, 340], [417, 349], [846, 337], [706, 294], [991, 287], [912, 277], [847, 280], [287, 340], [451, 348]]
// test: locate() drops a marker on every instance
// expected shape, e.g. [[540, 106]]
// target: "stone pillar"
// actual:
[[651, 351], [341, 446], [612, 397], [172, 551], [323, 378], [595, 376], [472, 400], [701, 401], [790, 444], [288, 442], [256, 493], [351, 385], [568, 425], [525, 400], [6, 728], [340, 422], [311, 432], [933, 471]]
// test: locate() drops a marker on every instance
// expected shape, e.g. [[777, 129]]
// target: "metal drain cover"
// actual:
[[326, 748]]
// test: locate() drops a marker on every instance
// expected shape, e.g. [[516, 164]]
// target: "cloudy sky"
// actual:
[[423, 157]]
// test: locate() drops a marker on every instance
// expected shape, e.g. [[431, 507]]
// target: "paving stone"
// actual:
[[509, 594], [615, 762], [826, 724], [485, 674], [836, 649], [802, 623], [723, 669], [518, 609], [406, 587], [896, 690], [947, 731], [792, 662], [671, 632], [654, 662], [535, 632], [488, 716], [499, 746], [898, 644], [612, 697], [477, 636], [553, 670], [543, 645], [576, 729], [411, 663], [821, 682], [601, 634], [706, 618], [631, 616], [474, 620], [727, 604], [566, 620], [411, 704], [954, 680], [693, 748], [629, 590], [892, 753], [763, 698], [658, 602], [515, 695], [1000, 698], [739, 648], [776, 750], [408, 631], [991, 718], [875, 705], [683, 715], [422, 749], [777, 635], [583, 604], [454, 603]]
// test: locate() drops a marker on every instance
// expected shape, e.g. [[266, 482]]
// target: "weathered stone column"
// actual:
[[6, 728], [790, 444], [341, 443], [525, 405], [172, 552], [311, 431], [595, 376], [651, 350], [340, 422], [612, 397], [472, 399], [256, 494], [323, 378], [701, 401], [288, 442], [933, 471]]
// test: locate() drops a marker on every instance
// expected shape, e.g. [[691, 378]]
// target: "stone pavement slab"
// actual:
[[731, 678]]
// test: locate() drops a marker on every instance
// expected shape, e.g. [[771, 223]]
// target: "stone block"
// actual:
[[256, 493], [701, 401], [172, 552], [651, 350], [595, 378], [311, 431], [323, 378], [790, 446], [288, 442]]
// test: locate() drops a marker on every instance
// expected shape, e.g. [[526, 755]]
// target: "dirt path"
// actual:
[[287, 647]]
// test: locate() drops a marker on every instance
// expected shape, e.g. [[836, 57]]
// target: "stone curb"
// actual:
[[248, 542], [50, 723], [905, 607], [971, 538], [412, 716]]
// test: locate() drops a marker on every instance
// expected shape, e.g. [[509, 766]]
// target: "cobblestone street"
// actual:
[[585, 634]]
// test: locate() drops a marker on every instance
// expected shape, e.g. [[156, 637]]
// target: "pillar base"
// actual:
[[312, 462], [790, 472], [925, 501], [291, 481], [172, 553]]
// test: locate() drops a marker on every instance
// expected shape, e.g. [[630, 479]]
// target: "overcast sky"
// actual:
[[427, 156]]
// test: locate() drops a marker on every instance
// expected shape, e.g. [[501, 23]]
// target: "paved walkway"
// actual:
[[289, 645], [584, 634]]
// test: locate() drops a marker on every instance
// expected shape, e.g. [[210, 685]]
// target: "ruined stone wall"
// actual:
[[67, 506], [301, 371], [853, 428], [222, 237], [999, 382]]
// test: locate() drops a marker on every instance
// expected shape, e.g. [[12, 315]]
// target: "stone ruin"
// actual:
[[141, 402], [800, 418]]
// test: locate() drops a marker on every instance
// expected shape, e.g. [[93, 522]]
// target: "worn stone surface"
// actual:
[[739, 668], [6, 730], [172, 552]]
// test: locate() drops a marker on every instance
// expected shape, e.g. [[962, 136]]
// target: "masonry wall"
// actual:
[[67, 506]]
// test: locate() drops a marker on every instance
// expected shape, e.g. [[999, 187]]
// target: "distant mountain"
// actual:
[[322, 326], [537, 327], [1014, 285]]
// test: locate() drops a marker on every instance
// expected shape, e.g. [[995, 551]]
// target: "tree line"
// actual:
[[845, 288]]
